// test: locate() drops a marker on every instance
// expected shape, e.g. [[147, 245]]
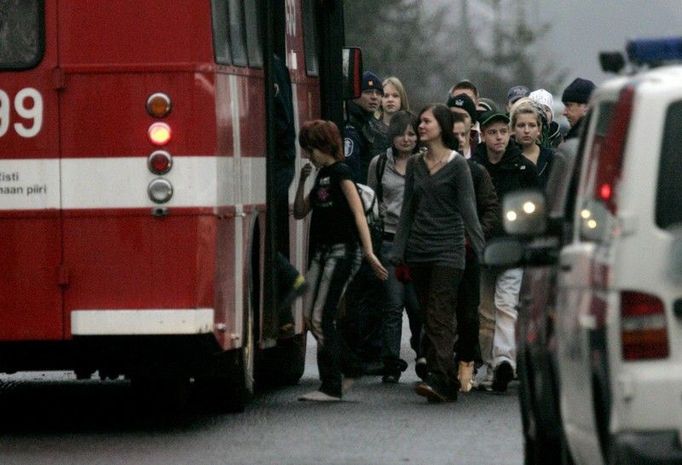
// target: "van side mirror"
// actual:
[[524, 213], [352, 72], [503, 252]]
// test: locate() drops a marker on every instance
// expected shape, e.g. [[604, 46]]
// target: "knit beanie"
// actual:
[[542, 97], [578, 91]]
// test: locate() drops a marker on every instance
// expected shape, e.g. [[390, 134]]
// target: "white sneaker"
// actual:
[[319, 396], [483, 380]]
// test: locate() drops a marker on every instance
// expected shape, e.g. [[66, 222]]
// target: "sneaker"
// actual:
[[319, 396], [483, 381], [297, 289], [435, 391], [421, 368], [502, 375], [373, 368], [287, 330], [465, 375]]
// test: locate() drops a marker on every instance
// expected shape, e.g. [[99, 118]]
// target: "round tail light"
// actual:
[[160, 162], [159, 133], [160, 190], [158, 105]]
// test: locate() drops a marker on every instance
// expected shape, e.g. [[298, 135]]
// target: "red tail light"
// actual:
[[611, 156], [644, 328], [160, 162]]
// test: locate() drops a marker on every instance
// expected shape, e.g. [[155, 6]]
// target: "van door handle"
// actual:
[[566, 267]]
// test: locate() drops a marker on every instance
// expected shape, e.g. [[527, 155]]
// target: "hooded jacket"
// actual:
[[511, 173]]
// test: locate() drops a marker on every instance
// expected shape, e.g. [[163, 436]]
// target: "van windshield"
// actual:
[[669, 195], [20, 33]]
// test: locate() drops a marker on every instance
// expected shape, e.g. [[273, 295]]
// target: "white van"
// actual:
[[619, 279]]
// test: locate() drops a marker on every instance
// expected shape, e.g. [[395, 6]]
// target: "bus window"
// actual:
[[228, 32], [253, 30], [310, 37], [237, 39], [21, 33], [221, 44]]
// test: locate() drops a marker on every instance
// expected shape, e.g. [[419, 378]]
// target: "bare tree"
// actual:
[[494, 43]]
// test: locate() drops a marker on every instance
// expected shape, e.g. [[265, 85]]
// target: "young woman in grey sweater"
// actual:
[[439, 204], [387, 177]]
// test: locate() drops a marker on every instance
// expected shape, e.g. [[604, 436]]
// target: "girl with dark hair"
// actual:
[[387, 177], [339, 237], [438, 206]]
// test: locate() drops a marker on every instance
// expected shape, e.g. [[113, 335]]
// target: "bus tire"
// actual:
[[284, 364], [161, 394], [230, 385]]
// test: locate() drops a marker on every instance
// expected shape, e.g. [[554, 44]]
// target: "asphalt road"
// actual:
[[50, 418]]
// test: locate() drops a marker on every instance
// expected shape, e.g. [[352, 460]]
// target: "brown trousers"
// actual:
[[437, 288]]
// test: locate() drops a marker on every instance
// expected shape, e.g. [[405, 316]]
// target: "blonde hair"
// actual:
[[395, 82], [525, 106]]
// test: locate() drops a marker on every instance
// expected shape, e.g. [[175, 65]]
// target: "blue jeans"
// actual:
[[397, 296]]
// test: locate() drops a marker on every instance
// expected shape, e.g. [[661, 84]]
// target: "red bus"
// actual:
[[136, 147]]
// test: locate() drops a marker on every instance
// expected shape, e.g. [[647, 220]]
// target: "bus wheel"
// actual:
[[282, 365], [167, 394], [230, 385]]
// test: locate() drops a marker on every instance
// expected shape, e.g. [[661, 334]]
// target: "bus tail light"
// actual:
[[158, 105], [159, 133], [160, 190], [644, 328], [160, 162]]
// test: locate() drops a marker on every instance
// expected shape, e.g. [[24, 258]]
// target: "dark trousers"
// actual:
[[437, 288], [468, 298], [363, 319]]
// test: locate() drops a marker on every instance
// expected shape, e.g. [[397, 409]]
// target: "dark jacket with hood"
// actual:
[[511, 173], [487, 205]]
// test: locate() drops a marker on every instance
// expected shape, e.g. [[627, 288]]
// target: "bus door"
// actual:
[[30, 221]]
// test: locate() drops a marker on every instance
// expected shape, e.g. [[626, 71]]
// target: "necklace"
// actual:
[[433, 165]]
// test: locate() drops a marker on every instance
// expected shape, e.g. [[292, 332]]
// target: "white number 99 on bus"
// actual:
[[28, 104]]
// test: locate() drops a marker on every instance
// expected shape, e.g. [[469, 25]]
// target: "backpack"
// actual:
[[370, 205]]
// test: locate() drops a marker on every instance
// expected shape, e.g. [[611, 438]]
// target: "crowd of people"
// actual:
[[439, 177]]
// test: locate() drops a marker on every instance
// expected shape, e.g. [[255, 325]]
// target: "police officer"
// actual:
[[363, 137]]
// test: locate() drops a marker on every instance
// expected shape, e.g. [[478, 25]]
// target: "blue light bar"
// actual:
[[654, 51]]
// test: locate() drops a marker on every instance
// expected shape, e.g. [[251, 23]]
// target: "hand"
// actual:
[[379, 270], [305, 171], [402, 273]]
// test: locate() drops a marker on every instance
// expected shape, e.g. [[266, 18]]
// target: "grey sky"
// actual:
[[583, 28]]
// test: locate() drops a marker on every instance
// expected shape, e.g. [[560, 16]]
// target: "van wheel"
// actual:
[[542, 444], [527, 418]]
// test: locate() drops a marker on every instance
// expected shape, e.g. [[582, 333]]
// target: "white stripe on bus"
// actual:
[[121, 182], [124, 322]]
